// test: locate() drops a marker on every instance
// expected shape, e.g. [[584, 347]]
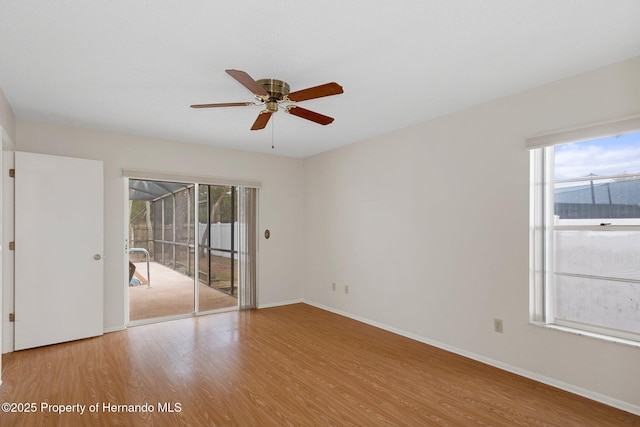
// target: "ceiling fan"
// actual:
[[272, 93]]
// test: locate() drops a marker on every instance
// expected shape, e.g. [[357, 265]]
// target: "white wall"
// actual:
[[453, 255], [280, 198]]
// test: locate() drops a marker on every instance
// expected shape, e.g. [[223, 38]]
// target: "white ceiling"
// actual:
[[135, 66]]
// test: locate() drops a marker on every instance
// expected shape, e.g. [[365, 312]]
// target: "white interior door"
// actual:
[[58, 249]]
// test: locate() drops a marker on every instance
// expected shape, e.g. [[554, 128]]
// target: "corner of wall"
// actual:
[[7, 117]]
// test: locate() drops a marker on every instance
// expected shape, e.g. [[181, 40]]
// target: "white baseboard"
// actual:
[[280, 303], [114, 329], [589, 394]]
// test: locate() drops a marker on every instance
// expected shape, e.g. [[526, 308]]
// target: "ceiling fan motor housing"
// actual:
[[277, 89]]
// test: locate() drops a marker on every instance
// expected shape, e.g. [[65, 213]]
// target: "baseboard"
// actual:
[[114, 329], [607, 400], [280, 303]]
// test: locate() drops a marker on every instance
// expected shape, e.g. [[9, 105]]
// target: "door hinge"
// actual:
[[12, 173], [12, 246], [12, 317]]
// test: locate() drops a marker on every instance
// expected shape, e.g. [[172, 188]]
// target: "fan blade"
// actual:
[[226, 104], [262, 120], [247, 81], [326, 89], [309, 115]]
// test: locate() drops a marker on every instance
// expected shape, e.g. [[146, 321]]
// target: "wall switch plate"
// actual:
[[346, 289], [497, 325]]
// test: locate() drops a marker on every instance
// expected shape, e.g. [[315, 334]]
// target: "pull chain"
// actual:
[[273, 119]]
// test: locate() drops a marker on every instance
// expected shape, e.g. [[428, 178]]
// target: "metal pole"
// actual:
[[173, 239]]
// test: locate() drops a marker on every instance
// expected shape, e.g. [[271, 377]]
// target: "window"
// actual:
[[585, 233]]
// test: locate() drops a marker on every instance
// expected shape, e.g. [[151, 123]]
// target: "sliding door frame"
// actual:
[[196, 181]]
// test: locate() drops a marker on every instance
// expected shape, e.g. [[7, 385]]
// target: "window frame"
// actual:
[[542, 227]]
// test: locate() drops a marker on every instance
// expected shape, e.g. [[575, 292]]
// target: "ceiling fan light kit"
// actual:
[[273, 92]]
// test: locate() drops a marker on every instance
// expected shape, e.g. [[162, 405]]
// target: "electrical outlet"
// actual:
[[346, 289], [497, 325], [333, 286]]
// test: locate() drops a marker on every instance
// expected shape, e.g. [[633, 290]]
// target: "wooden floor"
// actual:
[[286, 366]]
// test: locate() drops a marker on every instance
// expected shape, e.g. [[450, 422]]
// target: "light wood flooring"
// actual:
[[294, 365]]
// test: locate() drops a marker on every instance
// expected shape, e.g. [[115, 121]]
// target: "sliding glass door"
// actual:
[[161, 237], [185, 249], [217, 234]]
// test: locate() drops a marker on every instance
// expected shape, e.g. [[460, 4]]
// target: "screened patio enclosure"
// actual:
[[164, 224]]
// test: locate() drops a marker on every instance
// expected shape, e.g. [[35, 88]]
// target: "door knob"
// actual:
[[97, 257]]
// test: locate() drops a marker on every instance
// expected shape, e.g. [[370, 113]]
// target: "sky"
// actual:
[[605, 156]]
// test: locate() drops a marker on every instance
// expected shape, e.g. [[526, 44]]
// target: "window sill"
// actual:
[[588, 334]]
